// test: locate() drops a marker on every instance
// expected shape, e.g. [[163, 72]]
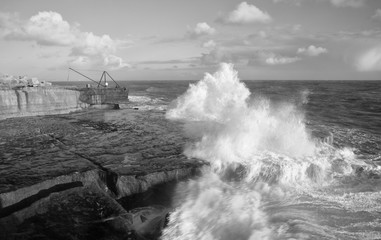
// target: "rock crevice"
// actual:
[[70, 170]]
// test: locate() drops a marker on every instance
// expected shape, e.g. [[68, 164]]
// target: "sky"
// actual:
[[181, 40]]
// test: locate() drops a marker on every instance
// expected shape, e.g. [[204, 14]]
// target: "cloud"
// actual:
[[50, 29], [365, 34], [209, 44], [296, 2], [171, 61], [280, 60], [226, 54], [114, 62], [257, 35], [92, 45], [370, 60], [347, 3], [201, 29], [45, 28], [245, 14], [215, 56], [377, 15], [271, 58], [110, 62], [99, 49], [246, 55], [312, 51], [337, 3]]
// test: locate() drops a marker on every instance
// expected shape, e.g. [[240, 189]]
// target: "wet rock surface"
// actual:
[[77, 214], [55, 168]]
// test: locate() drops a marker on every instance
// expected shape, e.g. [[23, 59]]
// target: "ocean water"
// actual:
[[288, 159]]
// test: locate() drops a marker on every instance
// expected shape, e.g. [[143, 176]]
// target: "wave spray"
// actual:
[[259, 153]]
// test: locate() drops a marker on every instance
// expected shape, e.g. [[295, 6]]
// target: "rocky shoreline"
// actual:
[[68, 176]]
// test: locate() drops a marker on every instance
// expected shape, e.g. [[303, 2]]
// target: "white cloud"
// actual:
[[114, 62], [201, 29], [279, 60], [110, 62], [50, 29], [91, 45], [100, 49], [209, 44], [370, 60], [45, 28], [246, 13], [377, 15], [312, 51]]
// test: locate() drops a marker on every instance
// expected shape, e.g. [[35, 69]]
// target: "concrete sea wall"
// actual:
[[31, 101]]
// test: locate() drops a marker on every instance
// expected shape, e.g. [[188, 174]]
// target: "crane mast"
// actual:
[[103, 77]]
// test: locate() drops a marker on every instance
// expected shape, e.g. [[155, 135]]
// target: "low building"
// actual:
[[33, 82]]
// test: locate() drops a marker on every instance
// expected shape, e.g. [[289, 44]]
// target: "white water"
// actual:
[[147, 103], [268, 179]]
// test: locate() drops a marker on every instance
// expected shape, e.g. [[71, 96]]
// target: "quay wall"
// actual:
[[32, 101]]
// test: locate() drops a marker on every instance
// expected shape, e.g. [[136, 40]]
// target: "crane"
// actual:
[[103, 77]]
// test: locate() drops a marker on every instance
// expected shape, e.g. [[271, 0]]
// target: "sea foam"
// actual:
[[258, 153], [228, 128]]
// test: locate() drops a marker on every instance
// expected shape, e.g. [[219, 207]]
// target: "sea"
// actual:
[[286, 159]]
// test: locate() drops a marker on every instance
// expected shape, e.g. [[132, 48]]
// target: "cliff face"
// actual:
[[30, 101]]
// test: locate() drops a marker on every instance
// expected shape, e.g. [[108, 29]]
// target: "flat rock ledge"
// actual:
[[62, 176]]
